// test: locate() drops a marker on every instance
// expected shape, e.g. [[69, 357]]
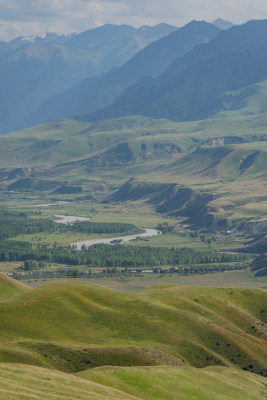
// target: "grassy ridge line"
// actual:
[[155, 151], [23, 382], [203, 326], [10, 288], [57, 147], [226, 162], [169, 383]]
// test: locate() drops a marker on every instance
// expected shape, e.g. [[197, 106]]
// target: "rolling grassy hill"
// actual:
[[73, 340], [71, 326], [224, 162], [22, 382], [180, 383], [10, 288], [221, 159], [18, 382], [224, 157]]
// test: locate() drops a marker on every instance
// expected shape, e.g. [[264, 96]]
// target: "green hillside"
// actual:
[[171, 383], [71, 325], [20, 382], [227, 162], [162, 190], [11, 288], [222, 157]]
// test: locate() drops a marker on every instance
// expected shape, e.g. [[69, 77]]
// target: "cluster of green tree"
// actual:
[[77, 273], [202, 269], [32, 264], [103, 255], [203, 237], [101, 227], [48, 274], [164, 227], [13, 224]]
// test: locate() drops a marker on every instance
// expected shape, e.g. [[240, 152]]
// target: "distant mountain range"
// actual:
[[115, 71], [94, 93], [222, 24], [195, 86], [33, 68]]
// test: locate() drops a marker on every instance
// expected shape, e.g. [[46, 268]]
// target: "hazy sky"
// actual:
[[28, 17]]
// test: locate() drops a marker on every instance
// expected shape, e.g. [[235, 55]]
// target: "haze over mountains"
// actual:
[[184, 74], [193, 73], [59, 76], [157, 129], [95, 93], [33, 69], [222, 24], [194, 86]]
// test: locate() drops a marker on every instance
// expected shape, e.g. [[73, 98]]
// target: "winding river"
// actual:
[[147, 233], [69, 219]]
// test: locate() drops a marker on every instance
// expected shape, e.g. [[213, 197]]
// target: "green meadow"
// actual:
[[11, 288], [138, 334], [148, 335], [224, 156], [21, 382], [58, 324], [180, 383], [74, 340]]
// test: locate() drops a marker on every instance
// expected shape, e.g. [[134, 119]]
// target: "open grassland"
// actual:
[[130, 212], [135, 284], [224, 156], [181, 239], [69, 139], [10, 288], [135, 212], [21, 382], [62, 325], [171, 383]]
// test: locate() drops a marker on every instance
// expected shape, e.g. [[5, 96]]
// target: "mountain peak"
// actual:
[[222, 24]]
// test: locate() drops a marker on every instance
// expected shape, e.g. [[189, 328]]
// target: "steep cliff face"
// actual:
[[136, 190], [170, 199], [180, 201], [11, 174], [259, 265]]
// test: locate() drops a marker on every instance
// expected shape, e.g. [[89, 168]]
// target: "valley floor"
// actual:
[[135, 283]]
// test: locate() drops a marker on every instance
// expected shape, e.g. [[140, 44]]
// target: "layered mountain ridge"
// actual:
[[194, 86], [94, 93], [33, 69]]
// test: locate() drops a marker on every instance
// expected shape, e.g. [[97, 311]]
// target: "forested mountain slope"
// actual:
[[33, 69], [94, 93], [194, 86]]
